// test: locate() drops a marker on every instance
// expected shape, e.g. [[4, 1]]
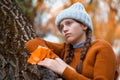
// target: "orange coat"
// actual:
[[99, 63]]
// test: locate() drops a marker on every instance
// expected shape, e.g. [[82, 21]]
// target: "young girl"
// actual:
[[81, 57]]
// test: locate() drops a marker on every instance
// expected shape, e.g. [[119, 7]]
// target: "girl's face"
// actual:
[[72, 31]]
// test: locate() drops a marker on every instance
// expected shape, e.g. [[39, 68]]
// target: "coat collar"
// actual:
[[79, 44]]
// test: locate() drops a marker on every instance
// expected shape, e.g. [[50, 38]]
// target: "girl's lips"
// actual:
[[67, 35]]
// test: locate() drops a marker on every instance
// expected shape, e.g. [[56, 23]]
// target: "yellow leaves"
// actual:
[[117, 33], [41, 53], [74, 1], [89, 8], [39, 4]]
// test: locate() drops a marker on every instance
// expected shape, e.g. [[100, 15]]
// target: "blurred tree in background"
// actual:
[[105, 15]]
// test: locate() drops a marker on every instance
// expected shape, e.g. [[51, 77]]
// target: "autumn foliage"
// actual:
[[41, 53]]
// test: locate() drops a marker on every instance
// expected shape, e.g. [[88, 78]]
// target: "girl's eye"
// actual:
[[61, 27], [67, 23]]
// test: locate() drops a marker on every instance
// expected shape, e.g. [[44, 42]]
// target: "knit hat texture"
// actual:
[[77, 12]]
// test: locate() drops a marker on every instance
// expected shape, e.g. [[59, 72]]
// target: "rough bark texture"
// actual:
[[15, 30]]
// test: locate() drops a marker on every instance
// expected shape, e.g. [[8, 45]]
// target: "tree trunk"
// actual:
[[15, 30]]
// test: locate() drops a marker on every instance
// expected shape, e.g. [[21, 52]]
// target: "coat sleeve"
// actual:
[[69, 74], [58, 49]]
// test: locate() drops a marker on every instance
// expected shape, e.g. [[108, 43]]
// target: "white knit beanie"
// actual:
[[77, 12]]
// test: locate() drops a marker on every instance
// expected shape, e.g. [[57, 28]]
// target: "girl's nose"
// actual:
[[65, 29]]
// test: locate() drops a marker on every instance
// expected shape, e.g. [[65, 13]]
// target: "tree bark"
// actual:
[[15, 31]]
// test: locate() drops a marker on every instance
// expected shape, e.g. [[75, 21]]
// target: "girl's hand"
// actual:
[[57, 65]]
